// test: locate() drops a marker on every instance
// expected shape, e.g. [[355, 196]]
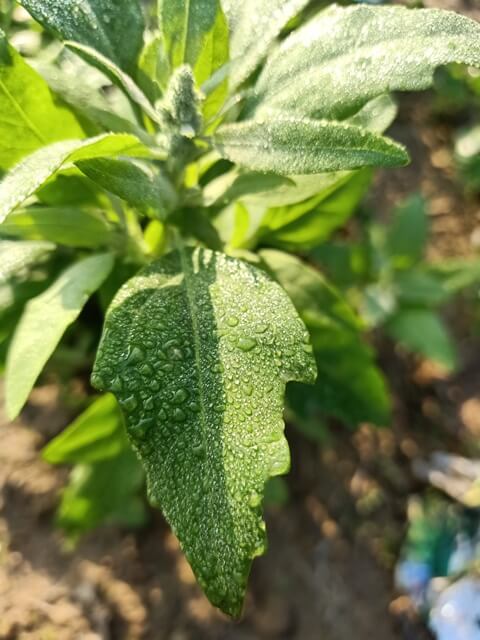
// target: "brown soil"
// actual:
[[328, 571]]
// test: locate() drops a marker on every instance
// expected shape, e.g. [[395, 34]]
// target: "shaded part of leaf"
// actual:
[[34, 171], [97, 434], [30, 115], [408, 233], [423, 332], [346, 56], [140, 184], [106, 492], [43, 324], [289, 145], [112, 27], [72, 227], [349, 384], [198, 348]]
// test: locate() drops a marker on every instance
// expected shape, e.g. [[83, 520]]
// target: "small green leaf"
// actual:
[[256, 25], [33, 172], [407, 235], [194, 32], [106, 492], [349, 385], [140, 184], [423, 332], [289, 145], [154, 69], [346, 56], [30, 115], [68, 226], [113, 27], [198, 348], [97, 434], [44, 322]]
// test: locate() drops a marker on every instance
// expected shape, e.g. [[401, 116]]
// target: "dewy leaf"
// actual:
[[113, 27], [346, 56], [30, 116], [141, 185], [15, 257], [198, 348], [288, 145], [44, 322], [256, 25], [97, 434], [349, 385], [32, 173]]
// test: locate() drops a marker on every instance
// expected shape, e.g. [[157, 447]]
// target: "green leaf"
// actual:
[[346, 56], [288, 145], [140, 184], [97, 434], [195, 32], [154, 69], [44, 322], [33, 172], [68, 226], [349, 385], [30, 115], [423, 332], [407, 235], [198, 348], [256, 25], [113, 27], [419, 287], [117, 76], [106, 492], [15, 257]]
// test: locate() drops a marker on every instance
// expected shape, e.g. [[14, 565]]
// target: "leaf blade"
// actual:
[[182, 359], [43, 323]]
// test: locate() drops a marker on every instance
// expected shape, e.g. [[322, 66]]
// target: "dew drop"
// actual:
[[246, 344], [179, 415], [232, 321], [180, 396]]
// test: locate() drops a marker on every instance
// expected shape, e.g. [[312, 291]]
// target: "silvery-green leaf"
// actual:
[[289, 145], [33, 172], [198, 348], [113, 27], [346, 56]]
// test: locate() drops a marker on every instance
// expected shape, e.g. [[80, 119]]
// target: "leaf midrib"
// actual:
[[18, 108]]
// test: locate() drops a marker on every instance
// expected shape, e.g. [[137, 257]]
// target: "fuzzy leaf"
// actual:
[[15, 257], [30, 115], [44, 322], [198, 348], [346, 56], [139, 184], [256, 25], [289, 145], [113, 27], [33, 172]]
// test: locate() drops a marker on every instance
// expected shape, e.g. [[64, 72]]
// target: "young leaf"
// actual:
[[198, 348], [346, 56], [194, 32], [44, 322], [68, 226], [113, 27], [30, 116], [141, 185], [257, 23], [422, 331], [33, 172], [349, 385], [289, 145], [106, 492], [97, 434]]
